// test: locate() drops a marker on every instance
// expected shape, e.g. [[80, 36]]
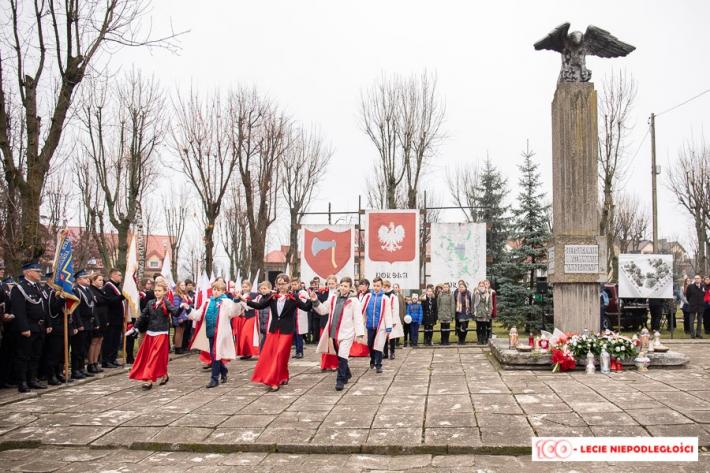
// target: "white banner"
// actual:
[[392, 246], [458, 251], [326, 250], [646, 276]]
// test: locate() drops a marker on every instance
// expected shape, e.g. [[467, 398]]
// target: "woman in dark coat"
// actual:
[[430, 315], [100, 322]]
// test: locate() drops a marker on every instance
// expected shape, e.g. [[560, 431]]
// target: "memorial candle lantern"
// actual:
[[604, 360], [645, 338], [656, 339], [590, 363], [513, 338]]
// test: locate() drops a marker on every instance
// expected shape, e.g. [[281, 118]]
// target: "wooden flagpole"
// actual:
[[67, 374], [125, 329]]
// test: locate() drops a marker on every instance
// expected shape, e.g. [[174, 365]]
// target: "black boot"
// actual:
[[98, 368], [23, 387], [91, 368], [34, 383], [53, 381], [87, 374]]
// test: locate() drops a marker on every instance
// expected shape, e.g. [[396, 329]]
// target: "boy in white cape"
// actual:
[[343, 326]]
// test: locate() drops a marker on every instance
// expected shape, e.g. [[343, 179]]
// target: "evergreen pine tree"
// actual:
[[492, 189], [517, 287]]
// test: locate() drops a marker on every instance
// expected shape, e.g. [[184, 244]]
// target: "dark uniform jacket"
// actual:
[[114, 299], [286, 321], [29, 306], [84, 313], [56, 309]]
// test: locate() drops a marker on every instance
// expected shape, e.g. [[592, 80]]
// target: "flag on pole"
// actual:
[[239, 281], [63, 267], [203, 286], [256, 280], [287, 272], [167, 271], [130, 283]]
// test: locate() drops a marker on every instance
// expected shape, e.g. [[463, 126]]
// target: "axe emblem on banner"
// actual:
[[319, 245]]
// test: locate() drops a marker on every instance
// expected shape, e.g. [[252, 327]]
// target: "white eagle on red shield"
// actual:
[[327, 251]]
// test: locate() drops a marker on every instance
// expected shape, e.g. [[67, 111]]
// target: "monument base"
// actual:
[[516, 360], [577, 307]]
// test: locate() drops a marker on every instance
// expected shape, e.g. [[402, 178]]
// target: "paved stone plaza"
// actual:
[[427, 403]]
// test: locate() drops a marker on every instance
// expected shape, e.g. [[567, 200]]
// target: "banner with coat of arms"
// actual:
[[392, 246], [326, 250]]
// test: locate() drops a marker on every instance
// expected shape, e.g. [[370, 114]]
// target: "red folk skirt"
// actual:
[[272, 367], [152, 359], [328, 361], [359, 349], [244, 341]]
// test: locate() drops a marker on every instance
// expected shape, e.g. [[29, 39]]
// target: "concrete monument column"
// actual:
[[577, 255]]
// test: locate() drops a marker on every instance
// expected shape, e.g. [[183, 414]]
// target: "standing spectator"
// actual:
[[414, 310], [696, 306], [483, 312], [683, 302], [116, 313], [187, 332], [494, 302], [655, 306], [397, 322], [85, 321], [429, 315], [603, 304], [463, 310], [445, 312], [402, 305], [100, 322], [706, 312], [181, 320]]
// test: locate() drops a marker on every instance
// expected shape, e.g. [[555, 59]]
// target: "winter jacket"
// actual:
[[429, 316], [445, 308]]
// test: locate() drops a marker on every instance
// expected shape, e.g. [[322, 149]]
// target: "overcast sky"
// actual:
[[315, 57]]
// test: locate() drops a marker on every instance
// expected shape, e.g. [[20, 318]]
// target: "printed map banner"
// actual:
[[646, 276], [392, 246], [326, 250], [458, 251]]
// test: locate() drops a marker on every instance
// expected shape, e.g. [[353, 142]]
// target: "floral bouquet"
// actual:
[[562, 360], [567, 348]]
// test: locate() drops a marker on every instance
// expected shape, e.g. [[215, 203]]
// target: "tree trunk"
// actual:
[[292, 256], [700, 232], [122, 257], [209, 243]]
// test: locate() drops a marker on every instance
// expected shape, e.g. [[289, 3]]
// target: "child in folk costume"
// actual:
[[360, 349], [272, 367], [328, 361], [377, 311], [151, 361], [301, 327], [397, 327], [247, 337], [344, 324], [264, 314], [213, 333]]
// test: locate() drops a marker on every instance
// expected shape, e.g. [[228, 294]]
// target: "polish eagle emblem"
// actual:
[[390, 237]]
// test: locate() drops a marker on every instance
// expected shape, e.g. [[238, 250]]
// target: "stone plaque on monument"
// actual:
[[581, 259]]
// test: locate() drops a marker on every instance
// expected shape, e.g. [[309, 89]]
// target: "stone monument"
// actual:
[[577, 256]]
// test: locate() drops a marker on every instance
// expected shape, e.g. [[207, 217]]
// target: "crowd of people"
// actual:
[[342, 318]]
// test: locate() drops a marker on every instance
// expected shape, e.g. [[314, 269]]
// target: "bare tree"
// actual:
[[258, 141], [618, 95], [630, 223], [124, 126], [175, 212], [303, 166], [93, 207], [689, 180], [402, 118], [235, 236], [202, 142], [463, 185], [55, 202], [46, 51]]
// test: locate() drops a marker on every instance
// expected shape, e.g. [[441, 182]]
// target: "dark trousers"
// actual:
[[706, 319], [53, 353], [218, 367], [187, 335], [482, 332], [78, 350], [462, 330], [389, 347], [27, 353], [298, 342], [7, 355], [695, 319], [111, 343], [656, 313], [375, 355], [686, 320], [406, 328], [343, 374], [428, 334], [414, 333], [445, 330]]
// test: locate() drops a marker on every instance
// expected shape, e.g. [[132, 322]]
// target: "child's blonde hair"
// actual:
[[219, 284], [266, 284], [161, 283]]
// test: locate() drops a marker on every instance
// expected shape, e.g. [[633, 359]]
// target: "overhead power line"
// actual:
[[683, 103]]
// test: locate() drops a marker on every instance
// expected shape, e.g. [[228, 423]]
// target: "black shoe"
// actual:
[[385, 356], [53, 381], [299, 355], [339, 386], [77, 375], [147, 386], [36, 384], [87, 374], [372, 365], [61, 378], [699, 336], [97, 368], [207, 367], [213, 383], [392, 356], [23, 387], [245, 357], [179, 351], [223, 379], [91, 369], [378, 370]]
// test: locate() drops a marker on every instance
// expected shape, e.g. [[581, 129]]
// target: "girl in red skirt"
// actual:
[[151, 361], [246, 342], [272, 367]]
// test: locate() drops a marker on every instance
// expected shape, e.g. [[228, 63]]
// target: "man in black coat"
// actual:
[[115, 314], [84, 322], [9, 338], [31, 311], [53, 356], [695, 293]]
